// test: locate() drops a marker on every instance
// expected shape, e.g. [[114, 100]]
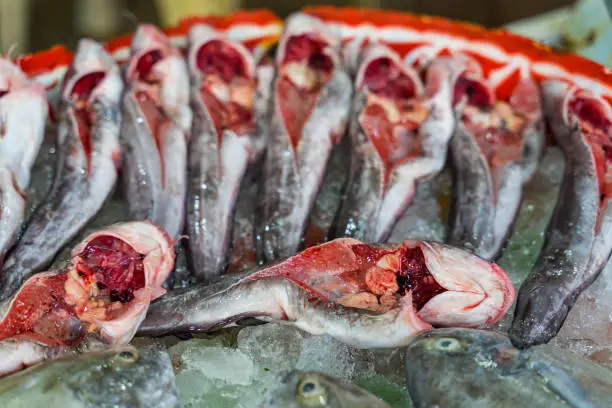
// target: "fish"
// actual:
[[368, 296], [225, 140], [88, 156], [114, 274], [311, 95], [578, 241], [155, 129], [494, 151], [399, 133], [458, 367], [119, 377], [297, 389]]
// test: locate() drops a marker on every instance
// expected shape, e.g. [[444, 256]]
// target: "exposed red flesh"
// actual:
[[3, 92], [115, 267], [158, 125], [40, 313], [295, 102], [145, 64], [228, 116], [85, 85], [476, 93], [219, 58], [384, 78]]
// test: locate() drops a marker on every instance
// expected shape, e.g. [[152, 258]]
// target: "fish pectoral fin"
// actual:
[[561, 383]]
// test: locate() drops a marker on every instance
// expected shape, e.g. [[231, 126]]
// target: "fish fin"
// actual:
[[561, 383]]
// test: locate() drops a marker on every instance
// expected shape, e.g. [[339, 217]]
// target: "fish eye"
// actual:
[[311, 393], [127, 356], [447, 344]]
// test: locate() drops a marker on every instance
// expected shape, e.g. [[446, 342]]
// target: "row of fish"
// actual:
[[443, 367]]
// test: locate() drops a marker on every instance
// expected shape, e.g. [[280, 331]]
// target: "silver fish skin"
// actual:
[[386, 168], [301, 389], [155, 129], [23, 113], [119, 378], [488, 181], [86, 167], [578, 241], [225, 142], [458, 368], [296, 159]]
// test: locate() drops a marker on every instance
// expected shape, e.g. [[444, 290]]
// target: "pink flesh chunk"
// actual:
[[384, 78], [294, 101]]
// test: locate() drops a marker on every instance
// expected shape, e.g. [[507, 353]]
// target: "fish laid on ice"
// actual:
[[123, 377], [458, 367], [578, 241], [86, 167], [364, 295], [113, 276], [224, 141], [399, 133], [301, 389], [155, 129], [494, 151], [310, 104]]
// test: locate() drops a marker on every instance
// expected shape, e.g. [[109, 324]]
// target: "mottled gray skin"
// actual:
[[311, 389], [455, 368], [119, 378], [77, 194], [578, 240], [485, 200], [292, 178]]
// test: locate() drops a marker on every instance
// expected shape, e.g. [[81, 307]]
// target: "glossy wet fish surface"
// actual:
[[475, 368], [122, 377]]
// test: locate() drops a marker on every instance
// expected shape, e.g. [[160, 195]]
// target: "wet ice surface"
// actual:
[[235, 368]]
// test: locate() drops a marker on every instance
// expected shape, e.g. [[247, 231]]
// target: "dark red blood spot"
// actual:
[[219, 58], [305, 48], [385, 78], [3, 92], [114, 266], [39, 312], [145, 64], [84, 86], [476, 92], [368, 254], [415, 276], [590, 111]]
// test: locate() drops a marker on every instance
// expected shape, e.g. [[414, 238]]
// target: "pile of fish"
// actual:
[[282, 159]]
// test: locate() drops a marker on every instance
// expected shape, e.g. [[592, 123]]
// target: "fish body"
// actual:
[[225, 140], [578, 241], [154, 132], [365, 295], [119, 377], [301, 389], [495, 150], [458, 367], [310, 105], [86, 167], [399, 132]]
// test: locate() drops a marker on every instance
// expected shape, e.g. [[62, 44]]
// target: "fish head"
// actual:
[[23, 114], [301, 389], [224, 71], [115, 274], [121, 377]]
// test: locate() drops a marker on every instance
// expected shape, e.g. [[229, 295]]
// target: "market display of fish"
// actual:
[[364, 295], [120, 377], [86, 168], [476, 368], [399, 131], [154, 132], [298, 389], [310, 106], [579, 239]]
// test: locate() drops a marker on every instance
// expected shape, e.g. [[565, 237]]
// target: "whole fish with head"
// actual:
[[399, 133], [86, 167], [495, 149], [23, 114], [105, 292], [302, 389], [578, 241], [310, 105], [458, 367], [365, 295], [154, 132], [119, 378], [225, 141]]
